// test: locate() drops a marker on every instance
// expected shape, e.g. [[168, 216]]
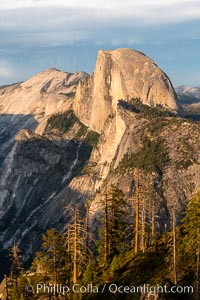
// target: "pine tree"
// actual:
[[14, 288], [174, 245], [191, 224], [137, 205], [16, 266], [55, 254], [114, 222], [68, 253], [77, 245], [105, 230], [49, 264], [88, 233]]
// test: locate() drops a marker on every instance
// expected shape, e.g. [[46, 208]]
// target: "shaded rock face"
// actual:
[[9, 126], [33, 181], [121, 74]]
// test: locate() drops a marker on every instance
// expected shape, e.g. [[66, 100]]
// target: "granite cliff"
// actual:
[[121, 74]]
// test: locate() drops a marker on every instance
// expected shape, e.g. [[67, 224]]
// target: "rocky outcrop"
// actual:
[[121, 74]]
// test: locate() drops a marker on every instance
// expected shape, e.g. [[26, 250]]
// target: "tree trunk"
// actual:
[[55, 273], [75, 248], [87, 233], [69, 255], [106, 229], [174, 245], [153, 224], [6, 282], [197, 267], [143, 226], [137, 214]]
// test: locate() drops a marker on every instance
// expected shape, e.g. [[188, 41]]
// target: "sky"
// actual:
[[67, 34]]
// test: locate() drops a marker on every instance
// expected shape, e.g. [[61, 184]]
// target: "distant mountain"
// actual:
[[189, 100], [188, 94], [184, 89]]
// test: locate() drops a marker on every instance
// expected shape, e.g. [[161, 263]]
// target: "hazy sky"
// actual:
[[38, 34]]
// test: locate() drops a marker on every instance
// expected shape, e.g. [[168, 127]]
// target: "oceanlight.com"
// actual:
[[113, 288]]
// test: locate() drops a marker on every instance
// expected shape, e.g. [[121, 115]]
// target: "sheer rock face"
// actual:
[[121, 74]]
